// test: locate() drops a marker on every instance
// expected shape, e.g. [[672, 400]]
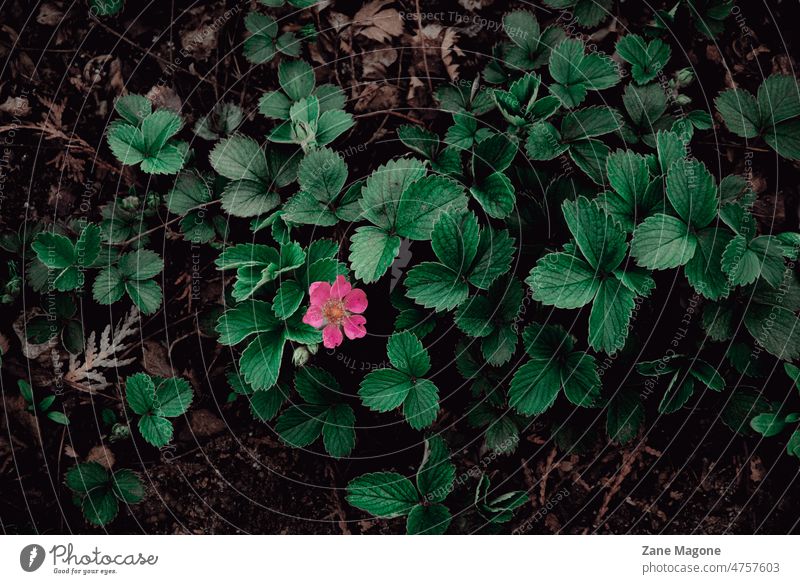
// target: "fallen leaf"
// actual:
[[378, 23]]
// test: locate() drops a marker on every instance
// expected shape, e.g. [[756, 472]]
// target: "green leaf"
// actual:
[[628, 175], [423, 201], [662, 242], [419, 140], [265, 403], [428, 520], [434, 285], [301, 425], [581, 380], [739, 109], [87, 248], [705, 270], [140, 392], [338, 433], [598, 236], [173, 397], [589, 122], [678, 393], [455, 240], [86, 477], [245, 319], [159, 127], [155, 430], [133, 108], [784, 139], [436, 473], [611, 316], [146, 294], [647, 59], [141, 264], [382, 494], [406, 353], [259, 47], [563, 280], [332, 124], [421, 405], [100, 507], [590, 156], [288, 299], [108, 286], [544, 142], [322, 174], [260, 362], [693, 192], [372, 251], [127, 486], [384, 389], [240, 158], [296, 79], [492, 258], [382, 191], [768, 424], [275, 105], [534, 387], [778, 100], [54, 251]]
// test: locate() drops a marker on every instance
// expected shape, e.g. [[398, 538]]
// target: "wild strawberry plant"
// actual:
[[554, 205]]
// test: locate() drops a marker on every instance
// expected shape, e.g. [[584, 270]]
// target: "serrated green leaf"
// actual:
[[382, 494]]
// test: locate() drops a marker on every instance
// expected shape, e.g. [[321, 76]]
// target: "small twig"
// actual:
[[424, 56]]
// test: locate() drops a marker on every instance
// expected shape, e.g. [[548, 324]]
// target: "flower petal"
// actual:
[[319, 292], [354, 326], [332, 336], [355, 301], [314, 316], [340, 288]]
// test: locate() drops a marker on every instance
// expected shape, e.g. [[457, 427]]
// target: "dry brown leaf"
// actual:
[[378, 23], [374, 64], [378, 98], [19, 107], [102, 456], [449, 50], [49, 14]]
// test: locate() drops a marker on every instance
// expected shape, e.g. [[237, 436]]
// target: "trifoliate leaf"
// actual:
[[646, 59]]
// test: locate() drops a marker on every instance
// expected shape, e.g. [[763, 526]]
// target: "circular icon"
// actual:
[[31, 557]]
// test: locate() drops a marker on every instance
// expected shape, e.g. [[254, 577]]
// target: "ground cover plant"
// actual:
[[389, 267]]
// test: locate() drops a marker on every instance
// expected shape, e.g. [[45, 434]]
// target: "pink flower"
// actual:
[[336, 306]]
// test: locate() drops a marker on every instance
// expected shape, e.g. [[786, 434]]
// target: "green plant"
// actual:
[[497, 508], [772, 423], [99, 491], [156, 400], [773, 115], [403, 384], [132, 275], [43, 406], [389, 494], [264, 42], [309, 116], [145, 138], [65, 259]]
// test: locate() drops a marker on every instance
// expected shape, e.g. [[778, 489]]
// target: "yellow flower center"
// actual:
[[334, 312]]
